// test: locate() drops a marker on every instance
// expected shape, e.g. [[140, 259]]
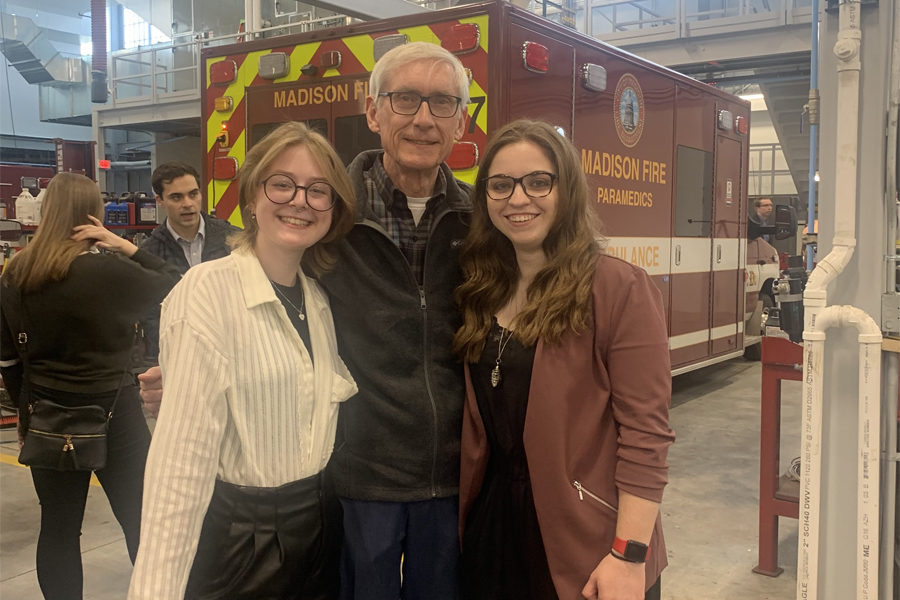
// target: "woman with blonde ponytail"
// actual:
[[565, 430]]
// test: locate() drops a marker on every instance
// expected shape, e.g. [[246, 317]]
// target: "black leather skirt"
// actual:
[[279, 543]]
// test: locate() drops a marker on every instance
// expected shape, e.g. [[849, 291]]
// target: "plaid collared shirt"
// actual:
[[392, 210]]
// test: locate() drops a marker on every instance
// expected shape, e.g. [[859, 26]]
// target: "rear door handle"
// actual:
[[719, 253], [678, 255]]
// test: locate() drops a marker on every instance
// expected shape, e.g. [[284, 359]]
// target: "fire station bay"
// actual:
[[463, 299]]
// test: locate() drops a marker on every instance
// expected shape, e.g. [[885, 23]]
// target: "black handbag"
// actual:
[[59, 437]]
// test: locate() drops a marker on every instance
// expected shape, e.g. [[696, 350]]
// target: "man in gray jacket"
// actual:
[[396, 460]]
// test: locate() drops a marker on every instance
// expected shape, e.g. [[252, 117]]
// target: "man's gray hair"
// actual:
[[401, 56]]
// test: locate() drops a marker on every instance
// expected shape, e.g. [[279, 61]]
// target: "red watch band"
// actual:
[[621, 547]]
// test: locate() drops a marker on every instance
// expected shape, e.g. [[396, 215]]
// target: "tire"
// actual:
[[754, 352]]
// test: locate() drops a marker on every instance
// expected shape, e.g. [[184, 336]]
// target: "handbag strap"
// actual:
[[15, 317]]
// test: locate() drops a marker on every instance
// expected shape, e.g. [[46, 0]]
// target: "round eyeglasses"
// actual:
[[442, 106], [281, 189], [537, 184]]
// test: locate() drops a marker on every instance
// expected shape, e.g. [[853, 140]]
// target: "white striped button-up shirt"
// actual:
[[242, 403]]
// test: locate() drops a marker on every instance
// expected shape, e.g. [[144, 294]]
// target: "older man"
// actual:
[[396, 459]]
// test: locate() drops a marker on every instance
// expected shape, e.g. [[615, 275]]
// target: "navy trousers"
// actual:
[[378, 534]]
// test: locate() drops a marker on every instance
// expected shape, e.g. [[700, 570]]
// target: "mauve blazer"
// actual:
[[598, 419]]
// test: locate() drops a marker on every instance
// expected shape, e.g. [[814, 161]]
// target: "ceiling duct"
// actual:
[[28, 48]]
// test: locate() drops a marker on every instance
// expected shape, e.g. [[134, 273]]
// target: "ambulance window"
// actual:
[[693, 192], [352, 135], [261, 130]]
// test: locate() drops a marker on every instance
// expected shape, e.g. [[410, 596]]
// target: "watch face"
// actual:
[[636, 551]]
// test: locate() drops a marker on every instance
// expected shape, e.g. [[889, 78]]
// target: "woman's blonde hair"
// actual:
[[559, 296], [260, 159], [68, 201]]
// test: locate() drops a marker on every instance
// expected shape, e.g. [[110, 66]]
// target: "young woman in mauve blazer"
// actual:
[[568, 384]]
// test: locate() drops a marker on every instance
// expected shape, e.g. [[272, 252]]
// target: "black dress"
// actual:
[[503, 553]]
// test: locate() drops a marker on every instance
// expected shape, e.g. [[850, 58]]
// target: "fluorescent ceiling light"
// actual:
[[751, 97]]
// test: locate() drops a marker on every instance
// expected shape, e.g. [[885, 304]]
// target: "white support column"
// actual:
[[860, 285]]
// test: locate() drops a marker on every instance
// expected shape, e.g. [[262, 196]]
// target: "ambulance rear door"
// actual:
[[692, 216]]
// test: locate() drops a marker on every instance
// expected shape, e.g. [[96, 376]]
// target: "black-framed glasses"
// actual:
[[281, 189], [537, 184], [442, 106]]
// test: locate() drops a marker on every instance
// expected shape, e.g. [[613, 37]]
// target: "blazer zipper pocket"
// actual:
[[583, 490]]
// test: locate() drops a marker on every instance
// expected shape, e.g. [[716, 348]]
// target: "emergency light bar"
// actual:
[[274, 65], [225, 167], [462, 38], [224, 103], [726, 120], [536, 57], [330, 60], [385, 43], [223, 72], [593, 77], [463, 156]]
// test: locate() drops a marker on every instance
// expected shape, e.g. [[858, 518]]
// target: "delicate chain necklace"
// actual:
[[501, 346], [302, 308]]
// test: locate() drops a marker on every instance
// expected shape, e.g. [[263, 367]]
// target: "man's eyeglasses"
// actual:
[[538, 184], [281, 189], [442, 106]]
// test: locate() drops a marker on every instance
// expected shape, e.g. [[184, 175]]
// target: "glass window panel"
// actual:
[[693, 192]]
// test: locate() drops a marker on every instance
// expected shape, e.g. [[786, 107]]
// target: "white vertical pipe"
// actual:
[[818, 319]]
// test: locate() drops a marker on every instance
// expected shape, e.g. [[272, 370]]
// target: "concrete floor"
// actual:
[[709, 512]]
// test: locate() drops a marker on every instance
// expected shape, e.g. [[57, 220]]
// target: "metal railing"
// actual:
[[654, 20], [171, 71], [769, 173]]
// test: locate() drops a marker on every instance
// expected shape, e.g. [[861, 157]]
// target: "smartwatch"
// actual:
[[630, 550]]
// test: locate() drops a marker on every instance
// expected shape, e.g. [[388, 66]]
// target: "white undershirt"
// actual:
[[417, 207]]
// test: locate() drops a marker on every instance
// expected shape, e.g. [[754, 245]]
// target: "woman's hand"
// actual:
[[616, 579], [103, 238]]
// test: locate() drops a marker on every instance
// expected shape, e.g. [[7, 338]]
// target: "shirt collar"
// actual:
[[201, 232], [389, 193], [256, 286]]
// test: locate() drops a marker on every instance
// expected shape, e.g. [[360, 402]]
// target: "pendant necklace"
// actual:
[[301, 310], [501, 345]]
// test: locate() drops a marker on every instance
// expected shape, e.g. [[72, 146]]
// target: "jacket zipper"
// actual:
[[424, 307], [583, 490]]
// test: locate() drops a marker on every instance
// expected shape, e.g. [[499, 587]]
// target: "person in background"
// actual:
[[396, 459], [565, 431], [186, 237], [80, 308], [762, 212], [764, 209], [236, 504]]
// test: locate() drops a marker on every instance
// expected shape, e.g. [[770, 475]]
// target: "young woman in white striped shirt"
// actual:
[[235, 504]]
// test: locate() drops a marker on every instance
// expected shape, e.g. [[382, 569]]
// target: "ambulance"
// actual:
[[666, 156]]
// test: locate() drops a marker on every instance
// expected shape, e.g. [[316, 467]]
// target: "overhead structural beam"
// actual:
[[369, 10]]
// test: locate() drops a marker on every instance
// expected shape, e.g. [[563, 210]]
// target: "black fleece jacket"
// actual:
[[398, 439]]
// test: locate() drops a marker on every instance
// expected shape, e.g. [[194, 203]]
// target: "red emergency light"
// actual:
[[461, 38], [104, 164], [536, 57], [741, 126], [223, 73], [463, 156], [225, 167]]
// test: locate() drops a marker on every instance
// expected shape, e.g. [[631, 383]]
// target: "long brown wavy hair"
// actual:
[[68, 201], [559, 296]]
